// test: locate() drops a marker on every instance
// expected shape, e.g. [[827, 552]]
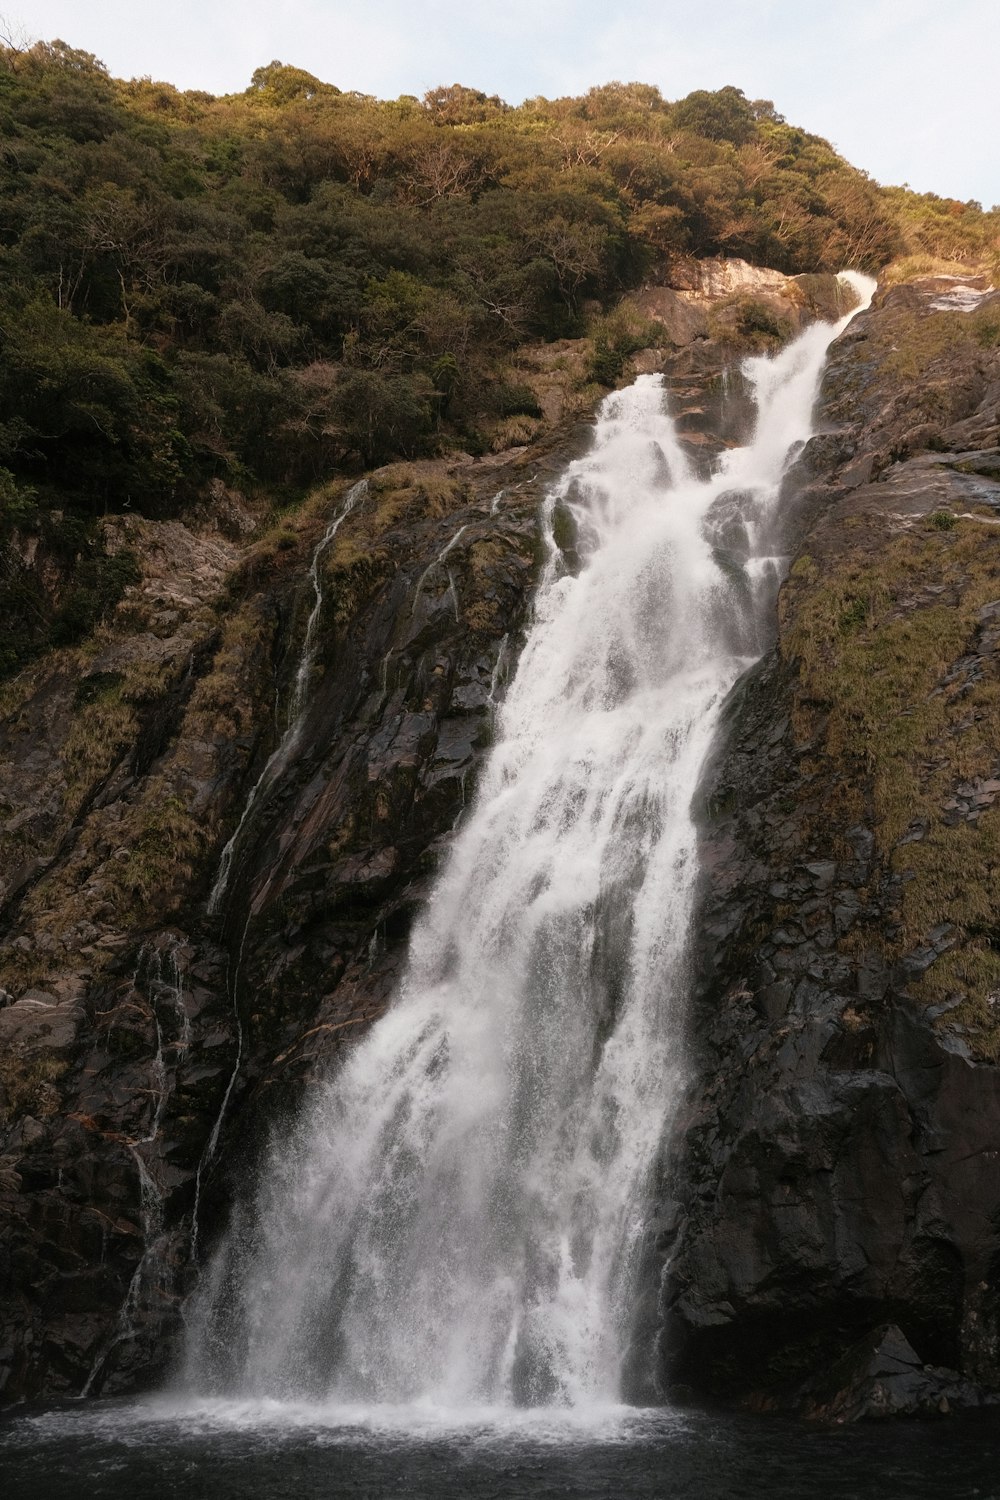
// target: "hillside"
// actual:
[[214, 302]]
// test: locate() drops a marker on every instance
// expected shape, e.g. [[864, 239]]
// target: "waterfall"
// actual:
[[458, 1216]]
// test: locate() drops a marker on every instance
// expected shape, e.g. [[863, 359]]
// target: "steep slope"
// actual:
[[139, 1019], [838, 1174]]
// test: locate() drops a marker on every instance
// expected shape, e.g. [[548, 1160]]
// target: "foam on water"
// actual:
[[160, 1421]]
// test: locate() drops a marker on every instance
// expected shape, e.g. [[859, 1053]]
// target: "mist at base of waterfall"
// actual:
[[218, 1450]]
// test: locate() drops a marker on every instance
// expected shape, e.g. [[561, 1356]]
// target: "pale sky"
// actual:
[[905, 89]]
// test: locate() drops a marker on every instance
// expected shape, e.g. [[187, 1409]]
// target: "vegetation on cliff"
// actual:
[[249, 291], [893, 624]]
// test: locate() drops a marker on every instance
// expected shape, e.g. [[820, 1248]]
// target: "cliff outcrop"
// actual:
[[147, 1039], [837, 1172]]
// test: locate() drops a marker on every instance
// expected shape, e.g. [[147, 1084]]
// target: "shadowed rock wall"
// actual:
[[839, 1167]]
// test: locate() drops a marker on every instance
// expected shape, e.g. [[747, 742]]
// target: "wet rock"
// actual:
[[163, 1043], [882, 1376], [39, 1021], [831, 1181]]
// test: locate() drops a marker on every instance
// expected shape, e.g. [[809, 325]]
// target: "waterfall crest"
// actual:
[[458, 1215]]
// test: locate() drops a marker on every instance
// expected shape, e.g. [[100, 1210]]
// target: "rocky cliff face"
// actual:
[[148, 1040], [835, 1173], [837, 1184]]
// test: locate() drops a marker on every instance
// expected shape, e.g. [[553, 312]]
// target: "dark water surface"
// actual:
[[228, 1451]]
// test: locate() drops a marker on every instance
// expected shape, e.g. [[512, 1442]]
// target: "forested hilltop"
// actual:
[[250, 292]]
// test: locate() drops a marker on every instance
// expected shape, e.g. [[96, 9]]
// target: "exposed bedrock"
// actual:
[[835, 1185], [152, 1043]]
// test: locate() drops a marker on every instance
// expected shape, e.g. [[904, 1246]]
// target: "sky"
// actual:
[[905, 89]]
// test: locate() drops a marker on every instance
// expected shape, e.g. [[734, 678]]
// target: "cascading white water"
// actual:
[[457, 1217]]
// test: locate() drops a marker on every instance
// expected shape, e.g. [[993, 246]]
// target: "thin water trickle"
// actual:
[[157, 971], [437, 563], [457, 1218], [280, 757], [208, 1155], [499, 673]]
